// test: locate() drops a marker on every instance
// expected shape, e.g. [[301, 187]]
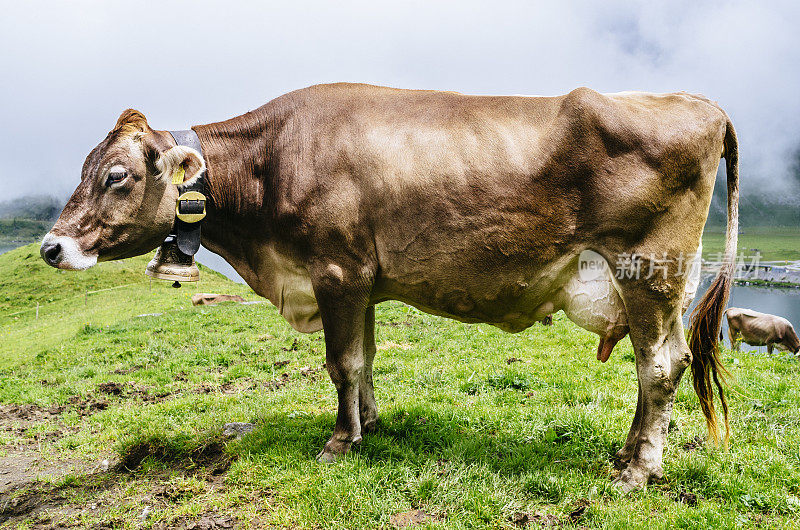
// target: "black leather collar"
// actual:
[[188, 234]]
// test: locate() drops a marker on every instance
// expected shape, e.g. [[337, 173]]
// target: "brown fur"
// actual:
[[333, 198]]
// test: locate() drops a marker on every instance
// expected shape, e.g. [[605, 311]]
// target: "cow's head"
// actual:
[[788, 339], [125, 203], [792, 341]]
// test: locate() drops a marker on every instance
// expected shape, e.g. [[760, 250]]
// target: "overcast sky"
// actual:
[[67, 69]]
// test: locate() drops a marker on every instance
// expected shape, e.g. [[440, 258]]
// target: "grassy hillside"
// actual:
[[27, 219], [478, 428], [71, 300], [23, 229], [774, 243]]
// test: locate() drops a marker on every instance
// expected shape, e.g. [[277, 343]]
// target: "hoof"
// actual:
[[325, 457], [334, 449], [628, 482]]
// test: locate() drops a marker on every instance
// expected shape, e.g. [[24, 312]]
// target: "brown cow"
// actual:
[[331, 199], [761, 329]]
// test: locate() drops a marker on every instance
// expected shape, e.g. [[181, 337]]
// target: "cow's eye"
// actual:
[[115, 177]]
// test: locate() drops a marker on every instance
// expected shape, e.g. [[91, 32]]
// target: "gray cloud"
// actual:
[[68, 69]]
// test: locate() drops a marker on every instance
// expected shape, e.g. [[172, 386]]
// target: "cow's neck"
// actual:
[[238, 156]]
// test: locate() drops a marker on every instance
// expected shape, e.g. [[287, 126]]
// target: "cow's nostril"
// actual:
[[52, 253]]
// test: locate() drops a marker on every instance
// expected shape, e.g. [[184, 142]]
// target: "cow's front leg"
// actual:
[[662, 356], [732, 336], [342, 299], [367, 409]]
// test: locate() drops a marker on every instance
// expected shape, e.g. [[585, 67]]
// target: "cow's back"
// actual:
[[557, 165]]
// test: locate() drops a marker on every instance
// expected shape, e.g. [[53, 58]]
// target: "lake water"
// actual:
[[781, 302], [214, 261], [6, 248]]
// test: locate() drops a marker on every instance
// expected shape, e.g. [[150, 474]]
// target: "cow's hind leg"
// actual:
[[625, 454], [662, 356], [342, 301], [368, 411]]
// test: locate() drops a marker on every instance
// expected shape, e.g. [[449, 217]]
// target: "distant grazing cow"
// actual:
[[334, 198], [760, 329], [211, 298]]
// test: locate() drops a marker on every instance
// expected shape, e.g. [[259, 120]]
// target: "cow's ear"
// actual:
[[174, 163], [180, 164]]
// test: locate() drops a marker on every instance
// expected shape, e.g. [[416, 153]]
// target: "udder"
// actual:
[[595, 305]]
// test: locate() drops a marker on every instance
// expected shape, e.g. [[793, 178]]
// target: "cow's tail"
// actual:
[[707, 368]]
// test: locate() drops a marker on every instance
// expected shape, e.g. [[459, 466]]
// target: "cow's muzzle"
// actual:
[[64, 253]]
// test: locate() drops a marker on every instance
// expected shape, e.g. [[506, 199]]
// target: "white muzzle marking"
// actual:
[[71, 256]]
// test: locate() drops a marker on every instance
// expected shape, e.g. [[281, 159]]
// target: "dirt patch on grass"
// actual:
[[395, 323], [126, 371], [243, 384], [15, 507], [694, 444], [206, 521], [687, 497], [33, 427], [82, 498], [132, 390], [549, 520], [19, 419], [411, 518], [111, 387], [210, 458], [86, 502], [30, 499], [35, 414]]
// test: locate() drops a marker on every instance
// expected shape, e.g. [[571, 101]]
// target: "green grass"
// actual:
[[100, 296], [464, 435], [774, 243]]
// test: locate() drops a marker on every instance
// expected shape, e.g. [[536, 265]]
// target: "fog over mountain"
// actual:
[[70, 68]]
